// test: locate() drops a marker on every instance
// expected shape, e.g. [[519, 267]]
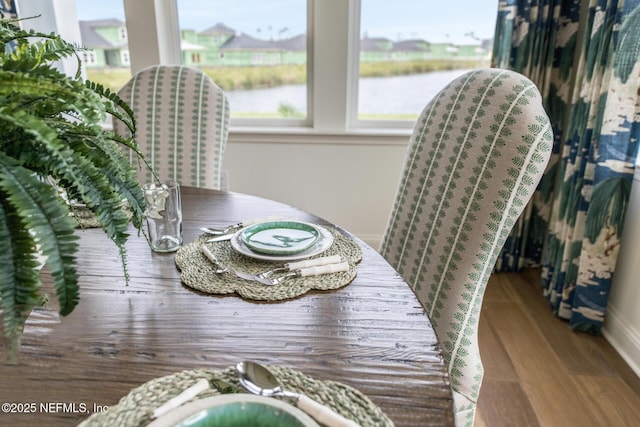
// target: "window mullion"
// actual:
[[153, 31], [330, 63]]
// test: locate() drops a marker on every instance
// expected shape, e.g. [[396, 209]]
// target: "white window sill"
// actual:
[[306, 135]]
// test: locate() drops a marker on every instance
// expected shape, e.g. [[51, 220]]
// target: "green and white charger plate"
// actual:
[[323, 242], [280, 237]]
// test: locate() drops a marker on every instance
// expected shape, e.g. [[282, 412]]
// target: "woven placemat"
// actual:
[[135, 408], [86, 219], [199, 273]]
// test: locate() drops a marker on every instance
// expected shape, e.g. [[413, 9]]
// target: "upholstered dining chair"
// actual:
[[182, 120], [476, 155]]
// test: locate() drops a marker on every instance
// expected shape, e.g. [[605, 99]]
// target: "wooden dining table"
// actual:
[[372, 334]]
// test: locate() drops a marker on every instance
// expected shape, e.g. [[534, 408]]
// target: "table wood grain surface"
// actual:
[[371, 334]]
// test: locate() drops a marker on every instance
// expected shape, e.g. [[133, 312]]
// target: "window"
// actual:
[[255, 50], [103, 30], [330, 66], [410, 49]]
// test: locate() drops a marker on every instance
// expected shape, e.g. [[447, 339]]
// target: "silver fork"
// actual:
[[224, 269], [312, 271]]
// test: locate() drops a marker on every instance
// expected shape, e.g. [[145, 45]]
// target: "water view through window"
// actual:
[[257, 51], [410, 49]]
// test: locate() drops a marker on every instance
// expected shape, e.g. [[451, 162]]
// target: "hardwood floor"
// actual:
[[538, 372]]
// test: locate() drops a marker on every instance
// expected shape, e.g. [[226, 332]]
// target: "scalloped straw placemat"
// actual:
[[135, 408], [199, 273], [86, 219]]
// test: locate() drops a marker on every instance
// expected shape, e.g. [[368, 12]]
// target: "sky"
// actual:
[[431, 20]]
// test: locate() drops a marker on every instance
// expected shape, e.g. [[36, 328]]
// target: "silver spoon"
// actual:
[[257, 379]]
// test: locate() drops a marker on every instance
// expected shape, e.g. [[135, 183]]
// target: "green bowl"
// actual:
[[235, 410]]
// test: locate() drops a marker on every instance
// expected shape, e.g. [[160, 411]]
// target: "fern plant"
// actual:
[[50, 131]]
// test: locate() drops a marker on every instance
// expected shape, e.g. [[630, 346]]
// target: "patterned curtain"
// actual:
[[585, 58]]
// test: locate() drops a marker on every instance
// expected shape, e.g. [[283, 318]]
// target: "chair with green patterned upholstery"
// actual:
[[476, 155], [182, 120]]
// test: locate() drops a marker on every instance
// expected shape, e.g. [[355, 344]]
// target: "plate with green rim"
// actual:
[[235, 410], [280, 237], [324, 242]]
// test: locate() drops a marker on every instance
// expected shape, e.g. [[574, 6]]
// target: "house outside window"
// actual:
[[105, 35], [256, 51]]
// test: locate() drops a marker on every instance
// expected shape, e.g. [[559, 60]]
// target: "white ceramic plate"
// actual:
[[324, 242], [232, 410]]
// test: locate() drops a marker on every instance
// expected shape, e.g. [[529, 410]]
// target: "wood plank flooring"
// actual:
[[538, 372]]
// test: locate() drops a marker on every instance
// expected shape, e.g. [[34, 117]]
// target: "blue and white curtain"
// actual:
[[8, 8], [585, 58]]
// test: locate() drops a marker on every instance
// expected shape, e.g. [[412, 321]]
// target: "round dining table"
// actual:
[[371, 334]]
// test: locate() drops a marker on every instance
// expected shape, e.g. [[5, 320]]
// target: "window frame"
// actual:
[[333, 38], [333, 29]]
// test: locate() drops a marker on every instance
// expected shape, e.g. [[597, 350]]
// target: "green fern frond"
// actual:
[[49, 89], [32, 55], [30, 49], [108, 158], [40, 211], [127, 117], [10, 31], [86, 180], [50, 126], [20, 279]]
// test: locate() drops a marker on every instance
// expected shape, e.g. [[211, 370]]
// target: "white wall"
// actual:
[[622, 324]]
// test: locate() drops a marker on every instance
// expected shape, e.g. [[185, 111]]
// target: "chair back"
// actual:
[[476, 155], [182, 120]]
